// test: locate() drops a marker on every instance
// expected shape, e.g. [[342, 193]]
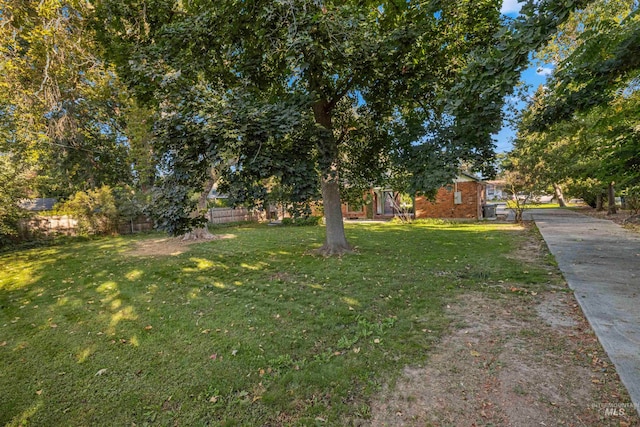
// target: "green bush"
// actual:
[[302, 221], [95, 211], [12, 191], [632, 198]]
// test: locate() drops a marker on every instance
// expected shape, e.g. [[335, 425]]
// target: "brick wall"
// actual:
[[444, 206]]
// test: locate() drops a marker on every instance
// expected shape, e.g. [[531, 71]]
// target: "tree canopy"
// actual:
[[319, 95], [61, 105], [581, 129]]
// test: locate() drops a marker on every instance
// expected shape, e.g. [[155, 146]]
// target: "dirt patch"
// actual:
[[519, 360], [169, 246], [532, 250]]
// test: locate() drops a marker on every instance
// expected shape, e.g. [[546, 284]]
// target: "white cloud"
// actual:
[[544, 71], [510, 6]]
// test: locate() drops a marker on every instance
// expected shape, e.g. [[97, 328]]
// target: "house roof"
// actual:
[[38, 204], [471, 176]]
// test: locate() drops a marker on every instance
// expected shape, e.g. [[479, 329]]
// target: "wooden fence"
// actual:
[[67, 225], [225, 215], [49, 225]]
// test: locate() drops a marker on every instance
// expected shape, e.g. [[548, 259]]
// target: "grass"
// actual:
[[244, 331], [532, 205]]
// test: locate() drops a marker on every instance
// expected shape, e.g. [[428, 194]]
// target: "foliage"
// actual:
[[13, 189], [95, 211], [60, 105], [302, 221], [130, 203], [599, 61], [246, 331], [581, 130], [168, 201], [632, 198]]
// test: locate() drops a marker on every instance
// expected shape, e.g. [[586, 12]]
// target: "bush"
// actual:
[[632, 198], [302, 221], [12, 191], [95, 211]]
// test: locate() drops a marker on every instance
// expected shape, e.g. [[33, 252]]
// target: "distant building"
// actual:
[[462, 199], [496, 190]]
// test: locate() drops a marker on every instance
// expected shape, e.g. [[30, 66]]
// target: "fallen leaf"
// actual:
[[39, 392], [234, 352], [214, 356], [101, 372], [356, 350], [376, 341], [213, 399], [148, 328], [475, 353], [3, 343]]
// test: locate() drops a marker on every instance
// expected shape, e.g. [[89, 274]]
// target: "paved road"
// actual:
[[601, 262]]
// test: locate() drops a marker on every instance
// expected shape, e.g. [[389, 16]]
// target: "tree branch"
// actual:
[[345, 90]]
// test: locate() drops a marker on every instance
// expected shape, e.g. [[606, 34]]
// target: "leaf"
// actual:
[[39, 392], [101, 372], [148, 328], [474, 353], [214, 356]]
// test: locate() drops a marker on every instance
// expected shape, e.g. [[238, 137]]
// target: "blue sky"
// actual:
[[534, 76]]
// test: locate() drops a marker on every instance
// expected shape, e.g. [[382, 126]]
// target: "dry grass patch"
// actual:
[[169, 246], [515, 360]]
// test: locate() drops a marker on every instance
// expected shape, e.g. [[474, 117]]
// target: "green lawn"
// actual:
[[249, 330]]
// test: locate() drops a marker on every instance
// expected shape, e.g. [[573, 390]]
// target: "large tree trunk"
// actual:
[[201, 233], [335, 239], [611, 196], [335, 242], [559, 196]]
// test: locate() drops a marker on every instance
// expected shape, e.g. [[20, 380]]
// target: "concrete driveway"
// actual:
[[601, 262]]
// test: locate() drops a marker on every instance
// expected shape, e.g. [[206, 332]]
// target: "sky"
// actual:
[[534, 76]]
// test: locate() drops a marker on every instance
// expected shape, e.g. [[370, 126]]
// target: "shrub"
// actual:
[[95, 211], [12, 191], [632, 198], [302, 221]]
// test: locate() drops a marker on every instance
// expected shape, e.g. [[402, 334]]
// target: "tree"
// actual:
[[314, 92], [581, 130], [597, 54], [60, 104]]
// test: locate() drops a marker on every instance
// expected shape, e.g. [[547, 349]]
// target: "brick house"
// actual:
[[462, 199]]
